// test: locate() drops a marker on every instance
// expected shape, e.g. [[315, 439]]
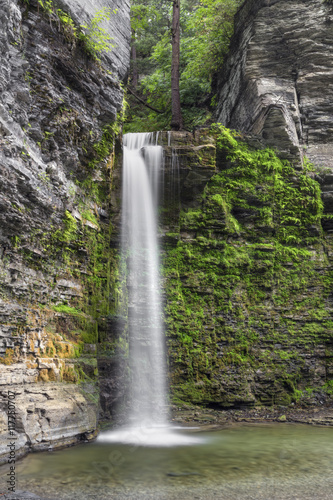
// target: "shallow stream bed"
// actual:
[[282, 461]]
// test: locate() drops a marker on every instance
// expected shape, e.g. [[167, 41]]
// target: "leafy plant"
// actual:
[[95, 38], [70, 30]]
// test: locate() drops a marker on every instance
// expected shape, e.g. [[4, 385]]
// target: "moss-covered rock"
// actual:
[[248, 284]]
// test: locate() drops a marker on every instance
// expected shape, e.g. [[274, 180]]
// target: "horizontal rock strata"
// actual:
[[277, 80], [59, 110]]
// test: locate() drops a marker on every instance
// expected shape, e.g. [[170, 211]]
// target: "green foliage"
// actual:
[[67, 234], [289, 202], [104, 147], [210, 27], [47, 6], [206, 28], [328, 387], [88, 215], [95, 38], [70, 30]]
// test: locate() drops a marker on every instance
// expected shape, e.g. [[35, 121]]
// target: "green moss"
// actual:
[[328, 387], [68, 310], [90, 216], [68, 233], [247, 280]]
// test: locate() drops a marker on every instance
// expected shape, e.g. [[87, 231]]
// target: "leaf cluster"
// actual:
[[93, 36]]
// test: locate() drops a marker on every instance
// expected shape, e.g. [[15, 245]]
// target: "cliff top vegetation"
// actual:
[[206, 27]]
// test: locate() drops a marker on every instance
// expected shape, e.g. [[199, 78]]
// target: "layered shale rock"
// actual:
[[248, 283], [59, 114], [277, 80]]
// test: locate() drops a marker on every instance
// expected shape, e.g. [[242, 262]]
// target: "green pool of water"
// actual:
[[242, 462]]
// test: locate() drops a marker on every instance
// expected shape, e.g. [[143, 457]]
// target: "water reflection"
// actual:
[[232, 463]]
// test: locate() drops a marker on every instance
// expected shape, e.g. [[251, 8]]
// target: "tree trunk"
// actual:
[[135, 75], [176, 119]]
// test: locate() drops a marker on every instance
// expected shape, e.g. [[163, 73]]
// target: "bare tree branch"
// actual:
[[143, 102]]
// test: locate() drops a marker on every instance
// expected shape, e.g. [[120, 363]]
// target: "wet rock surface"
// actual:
[[55, 104], [213, 314], [206, 418], [276, 82]]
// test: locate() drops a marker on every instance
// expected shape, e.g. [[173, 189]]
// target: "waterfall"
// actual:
[[147, 423], [140, 250]]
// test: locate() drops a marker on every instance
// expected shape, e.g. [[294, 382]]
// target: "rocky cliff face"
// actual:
[[59, 114], [248, 280], [277, 81], [249, 302]]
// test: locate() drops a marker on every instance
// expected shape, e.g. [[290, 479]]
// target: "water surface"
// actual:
[[242, 462]]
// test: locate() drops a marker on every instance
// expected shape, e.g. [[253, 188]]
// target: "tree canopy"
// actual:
[[206, 27]]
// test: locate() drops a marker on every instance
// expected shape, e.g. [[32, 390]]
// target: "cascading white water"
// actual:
[[141, 167], [147, 420]]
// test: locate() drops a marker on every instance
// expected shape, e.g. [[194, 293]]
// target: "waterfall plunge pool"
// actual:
[[280, 461]]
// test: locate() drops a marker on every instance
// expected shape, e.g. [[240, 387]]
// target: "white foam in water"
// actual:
[[150, 437]]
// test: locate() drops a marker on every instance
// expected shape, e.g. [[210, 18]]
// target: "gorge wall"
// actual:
[[277, 80], [249, 287], [248, 277], [246, 241], [59, 114]]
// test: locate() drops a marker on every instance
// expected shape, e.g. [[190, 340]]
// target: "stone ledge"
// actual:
[[48, 416]]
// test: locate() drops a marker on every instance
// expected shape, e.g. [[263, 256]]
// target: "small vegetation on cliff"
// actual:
[[94, 38]]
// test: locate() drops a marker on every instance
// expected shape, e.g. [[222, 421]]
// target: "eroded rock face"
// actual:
[[58, 110], [277, 80], [248, 312], [47, 416]]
